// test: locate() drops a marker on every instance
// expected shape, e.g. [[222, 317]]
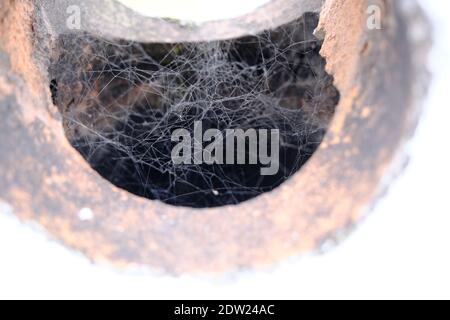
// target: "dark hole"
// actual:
[[54, 90], [122, 101]]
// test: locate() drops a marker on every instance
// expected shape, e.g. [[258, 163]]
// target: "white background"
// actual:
[[194, 10], [400, 251]]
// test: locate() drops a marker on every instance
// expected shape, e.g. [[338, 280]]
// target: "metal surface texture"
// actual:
[[46, 181]]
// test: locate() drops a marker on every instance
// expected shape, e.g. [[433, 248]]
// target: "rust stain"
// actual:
[[327, 195], [16, 41]]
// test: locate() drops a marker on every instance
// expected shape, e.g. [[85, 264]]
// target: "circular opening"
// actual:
[[195, 124], [194, 11]]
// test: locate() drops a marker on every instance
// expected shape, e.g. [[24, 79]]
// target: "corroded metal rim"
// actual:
[[111, 19], [45, 180]]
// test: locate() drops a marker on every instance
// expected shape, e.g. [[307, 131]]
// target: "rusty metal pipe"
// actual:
[[378, 73]]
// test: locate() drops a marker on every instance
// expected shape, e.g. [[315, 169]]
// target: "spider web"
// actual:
[[121, 101]]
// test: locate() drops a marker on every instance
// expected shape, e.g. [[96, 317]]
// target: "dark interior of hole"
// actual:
[[121, 102]]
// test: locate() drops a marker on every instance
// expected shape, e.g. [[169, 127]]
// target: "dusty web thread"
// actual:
[[121, 101]]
